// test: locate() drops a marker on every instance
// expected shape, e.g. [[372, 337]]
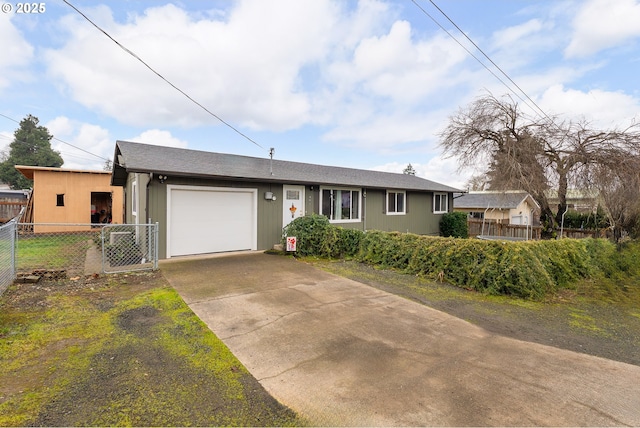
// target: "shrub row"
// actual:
[[528, 269]]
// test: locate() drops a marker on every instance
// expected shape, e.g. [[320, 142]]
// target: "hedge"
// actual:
[[529, 269]]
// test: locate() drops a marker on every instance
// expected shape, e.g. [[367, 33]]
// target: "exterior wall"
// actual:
[[269, 212], [76, 188], [418, 219]]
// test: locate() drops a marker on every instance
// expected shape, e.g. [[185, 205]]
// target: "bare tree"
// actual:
[[536, 155]]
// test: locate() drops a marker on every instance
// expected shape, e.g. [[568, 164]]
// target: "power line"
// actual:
[[59, 140], [160, 76], [537, 107]]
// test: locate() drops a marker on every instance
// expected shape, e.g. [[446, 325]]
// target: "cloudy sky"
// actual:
[[364, 84]]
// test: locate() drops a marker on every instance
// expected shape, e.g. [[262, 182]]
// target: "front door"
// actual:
[[293, 203]]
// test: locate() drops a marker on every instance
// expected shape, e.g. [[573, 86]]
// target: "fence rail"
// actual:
[[57, 250], [521, 232]]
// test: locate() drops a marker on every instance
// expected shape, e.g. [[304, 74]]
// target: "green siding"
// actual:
[[269, 212], [418, 219]]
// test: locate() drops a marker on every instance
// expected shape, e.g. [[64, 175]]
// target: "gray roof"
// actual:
[[171, 161], [484, 200]]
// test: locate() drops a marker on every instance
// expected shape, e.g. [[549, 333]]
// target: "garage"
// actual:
[[210, 220]]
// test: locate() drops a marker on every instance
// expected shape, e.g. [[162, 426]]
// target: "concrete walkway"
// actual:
[[345, 354]]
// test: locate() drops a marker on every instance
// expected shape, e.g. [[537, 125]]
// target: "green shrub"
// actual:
[[317, 237], [529, 270], [454, 224]]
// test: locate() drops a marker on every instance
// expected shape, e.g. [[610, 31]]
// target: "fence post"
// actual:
[[155, 245]]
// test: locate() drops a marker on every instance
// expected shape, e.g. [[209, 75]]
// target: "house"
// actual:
[[208, 202], [73, 197], [581, 201], [509, 207]]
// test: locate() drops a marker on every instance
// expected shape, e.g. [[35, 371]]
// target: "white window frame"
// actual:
[[348, 189], [134, 196], [442, 196], [404, 202]]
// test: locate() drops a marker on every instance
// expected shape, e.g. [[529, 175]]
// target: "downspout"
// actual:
[[364, 210]]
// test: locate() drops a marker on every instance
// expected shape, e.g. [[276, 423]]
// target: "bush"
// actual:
[[524, 269], [317, 237], [529, 270], [454, 224]]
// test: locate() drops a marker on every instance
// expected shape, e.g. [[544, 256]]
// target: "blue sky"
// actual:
[[363, 84]]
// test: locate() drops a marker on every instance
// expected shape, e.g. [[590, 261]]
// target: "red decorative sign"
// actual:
[[291, 243]]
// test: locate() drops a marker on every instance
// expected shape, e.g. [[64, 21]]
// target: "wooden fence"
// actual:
[[514, 231], [10, 209]]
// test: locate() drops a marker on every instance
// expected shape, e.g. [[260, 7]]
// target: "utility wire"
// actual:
[[492, 62], [57, 139], [537, 108], [464, 47], [160, 76]]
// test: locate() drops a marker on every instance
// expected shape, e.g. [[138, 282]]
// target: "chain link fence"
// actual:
[[59, 251], [7, 254]]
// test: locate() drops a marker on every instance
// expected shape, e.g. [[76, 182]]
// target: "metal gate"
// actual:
[[129, 247]]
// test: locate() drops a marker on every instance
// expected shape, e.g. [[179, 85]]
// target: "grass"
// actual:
[[599, 316], [51, 251], [125, 351]]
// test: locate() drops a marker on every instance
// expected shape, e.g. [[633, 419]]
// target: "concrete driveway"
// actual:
[[342, 353]]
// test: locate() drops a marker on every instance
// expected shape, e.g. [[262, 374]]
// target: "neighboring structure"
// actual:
[[72, 196], [212, 202], [581, 201], [507, 207], [11, 203]]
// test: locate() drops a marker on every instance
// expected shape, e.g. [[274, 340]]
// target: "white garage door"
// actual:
[[210, 220]]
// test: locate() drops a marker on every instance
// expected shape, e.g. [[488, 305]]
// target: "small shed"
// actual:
[[73, 196]]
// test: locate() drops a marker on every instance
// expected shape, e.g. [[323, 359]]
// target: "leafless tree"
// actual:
[[538, 155]]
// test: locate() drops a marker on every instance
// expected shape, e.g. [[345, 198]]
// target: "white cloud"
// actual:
[[245, 69], [159, 137], [17, 53], [603, 109], [83, 145], [602, 24], [436, 169]]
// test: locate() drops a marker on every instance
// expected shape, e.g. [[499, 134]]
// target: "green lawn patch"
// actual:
[[121, 350]]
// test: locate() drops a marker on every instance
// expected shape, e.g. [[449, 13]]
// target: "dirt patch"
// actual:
[[142, 359], [571, 320]]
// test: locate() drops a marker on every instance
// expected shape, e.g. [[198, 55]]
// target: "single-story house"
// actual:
[[72, 196], [208, 202], [508, 207]]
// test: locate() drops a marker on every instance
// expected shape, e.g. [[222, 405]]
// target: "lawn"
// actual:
[[52, 251], [120, 350]]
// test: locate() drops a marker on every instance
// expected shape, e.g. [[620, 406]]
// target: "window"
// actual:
[[440, 203], [341, 204], [395, 202], [134, 197], [60, 200]]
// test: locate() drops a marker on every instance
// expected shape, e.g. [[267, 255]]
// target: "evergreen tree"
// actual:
[[409, 170], [31, 146]]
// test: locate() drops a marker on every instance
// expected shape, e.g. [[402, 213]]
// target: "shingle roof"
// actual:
[[138, 157], [484, 200]]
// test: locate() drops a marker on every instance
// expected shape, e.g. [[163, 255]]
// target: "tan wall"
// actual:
[[76, 188]]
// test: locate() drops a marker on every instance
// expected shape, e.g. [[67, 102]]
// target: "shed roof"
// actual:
[[498, 200], [171, 161], [28, 171]]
